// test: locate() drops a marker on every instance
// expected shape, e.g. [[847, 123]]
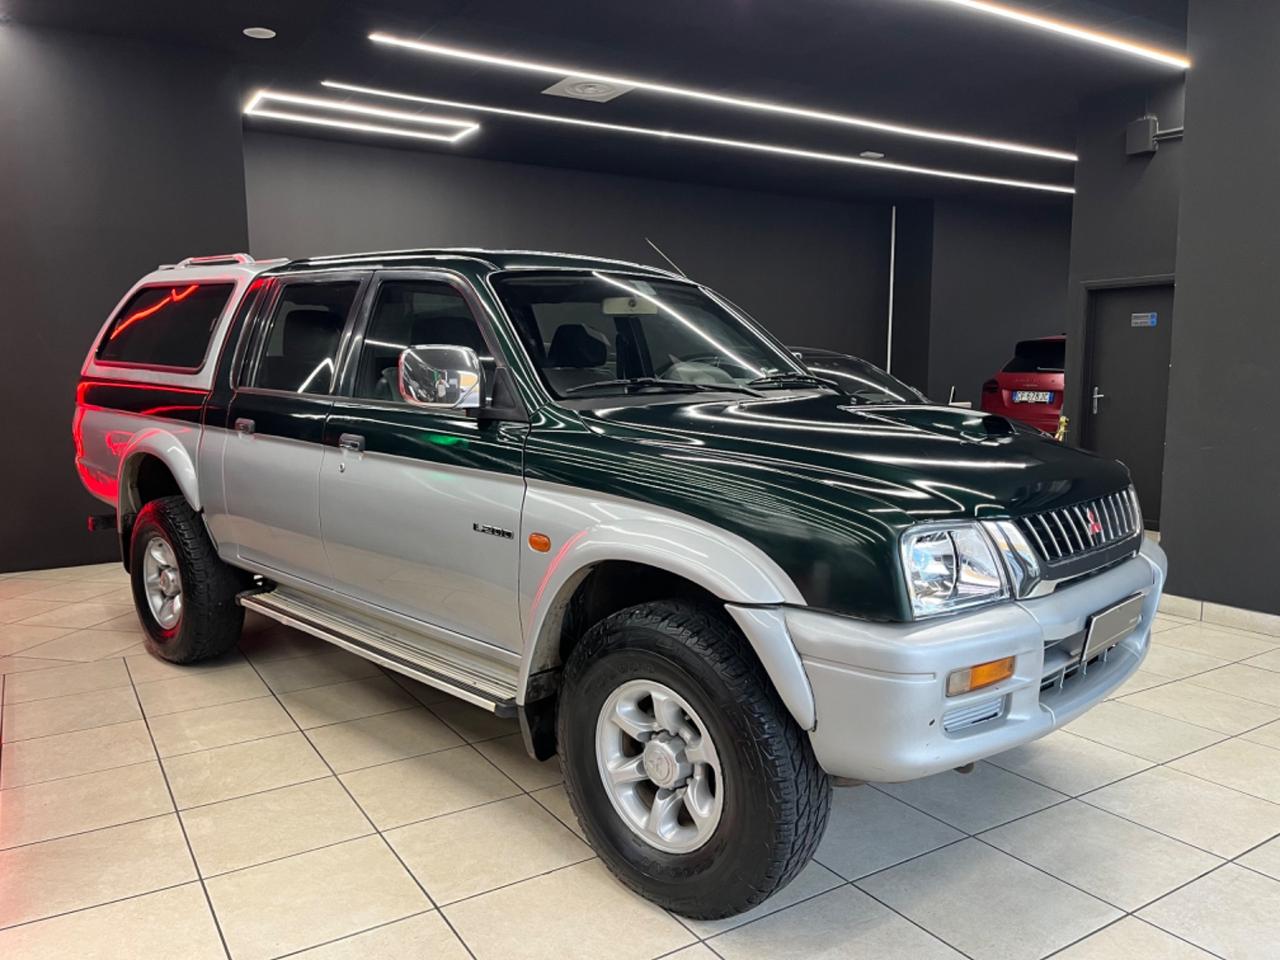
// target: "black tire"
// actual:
[[210, 620], [776, 799]]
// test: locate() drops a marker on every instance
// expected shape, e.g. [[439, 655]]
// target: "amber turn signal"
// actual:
[[979, 675], [540, 542]]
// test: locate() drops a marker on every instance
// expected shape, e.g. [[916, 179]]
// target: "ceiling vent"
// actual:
[[586, 88]]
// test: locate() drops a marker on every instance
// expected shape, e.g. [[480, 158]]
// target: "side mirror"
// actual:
[[441, 377]]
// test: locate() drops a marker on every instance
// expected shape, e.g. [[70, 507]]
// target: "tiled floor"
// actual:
[[292, 800]]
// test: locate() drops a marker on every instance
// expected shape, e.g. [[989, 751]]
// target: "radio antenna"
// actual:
[[658, 250]]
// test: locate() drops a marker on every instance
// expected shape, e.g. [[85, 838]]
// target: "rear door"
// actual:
[[421, 507], [1127, 386], [271, 460]]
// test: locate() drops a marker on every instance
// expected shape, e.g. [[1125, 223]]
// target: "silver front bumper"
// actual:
[[879, 689]]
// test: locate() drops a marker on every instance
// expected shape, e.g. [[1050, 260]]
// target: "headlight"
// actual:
[[949, 568]]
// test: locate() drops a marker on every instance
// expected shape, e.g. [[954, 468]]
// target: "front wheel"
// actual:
[[689, 776], [184, 594]]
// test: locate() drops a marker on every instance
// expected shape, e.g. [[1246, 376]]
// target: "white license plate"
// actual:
[[1033, 396], [1108, 627]]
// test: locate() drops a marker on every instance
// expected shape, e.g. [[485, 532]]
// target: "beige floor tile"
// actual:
[[126, 621], [510, 756], [144, 667], [22, 664], [957, 892], [1267, 661], [1114, 859], [814, 879], [242, 768], [1142, 733], [472, 723], [174, 924], [315, 897], [844, 924], [1252, 683], [380, 739], [92, 868], [70, 592], [86, 645], [58, 808], [1252, 620], [1268, 735], [474, 851], [424, 936], [267, 826], [394, 794], [71, 754], [16, 609], [63, 681], [869, 831], [1179, 608], [1132, 939], [1069, 764], [1192, 810], [423, 693], [696, 951], [1239, 764], [79, 615], [974, 801], [338, 702], [556, 802], [1264, 859], [1223, 644], [570, 914], [1176, 663], [1139, 680], [219, 726], [43, 718], [1231, 912], [17, 637], [203, 688], [12, 587], [263, 639], [330, 666], [1184, 700]]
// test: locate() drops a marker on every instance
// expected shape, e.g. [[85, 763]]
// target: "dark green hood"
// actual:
[[823, 485]]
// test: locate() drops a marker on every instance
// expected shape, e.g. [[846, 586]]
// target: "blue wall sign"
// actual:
[[1143, 319]]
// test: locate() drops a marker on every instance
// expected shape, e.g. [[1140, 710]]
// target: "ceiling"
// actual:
[[917, 62]]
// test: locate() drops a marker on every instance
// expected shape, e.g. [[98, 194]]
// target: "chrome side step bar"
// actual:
[[365, 640]]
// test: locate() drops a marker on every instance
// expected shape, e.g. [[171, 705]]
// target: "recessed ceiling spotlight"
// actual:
[[741, 103], [1076, 33], [258, 33], [580, 88], [260, 106], [752, 145], [871, 155]]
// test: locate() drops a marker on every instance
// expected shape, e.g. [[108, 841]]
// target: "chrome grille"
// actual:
[[1069, 532]]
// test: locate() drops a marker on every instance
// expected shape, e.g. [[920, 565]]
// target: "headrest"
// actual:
[[575, 346]]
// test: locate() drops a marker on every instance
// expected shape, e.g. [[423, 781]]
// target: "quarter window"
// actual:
[[166, 326], [301, 343]]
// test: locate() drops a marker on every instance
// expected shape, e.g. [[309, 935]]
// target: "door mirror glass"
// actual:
[[441, 377]]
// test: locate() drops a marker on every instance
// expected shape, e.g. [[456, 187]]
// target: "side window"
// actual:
[[412, 313], [166, 326], [300, 345]]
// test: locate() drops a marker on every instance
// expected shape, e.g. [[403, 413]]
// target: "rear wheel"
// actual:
[[185, 596], [689, 776]]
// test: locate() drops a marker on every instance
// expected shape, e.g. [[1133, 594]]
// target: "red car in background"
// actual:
[[1029, 388]]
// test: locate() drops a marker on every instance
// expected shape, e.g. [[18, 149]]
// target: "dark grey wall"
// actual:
[[999, 276], [815, 272], [116, 156], [912, 292], [1222, 460]]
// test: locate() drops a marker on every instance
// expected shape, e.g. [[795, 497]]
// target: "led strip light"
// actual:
[[529, 66], [752, 145], [257, 107], [1076, 33]]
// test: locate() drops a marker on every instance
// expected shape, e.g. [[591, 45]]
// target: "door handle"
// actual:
[[1097, 395], [351, 441], [244, 425]]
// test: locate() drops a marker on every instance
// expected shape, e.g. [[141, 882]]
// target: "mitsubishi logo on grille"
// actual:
[[1095, 528]]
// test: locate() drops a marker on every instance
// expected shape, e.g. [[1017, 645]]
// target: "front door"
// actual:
[[271, 457], [1127, 386], [421, 507]]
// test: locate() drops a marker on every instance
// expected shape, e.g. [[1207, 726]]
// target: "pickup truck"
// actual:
[[598, 497]]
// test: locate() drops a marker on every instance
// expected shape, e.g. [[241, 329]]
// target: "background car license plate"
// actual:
[[1033, 396], [1112, 625]]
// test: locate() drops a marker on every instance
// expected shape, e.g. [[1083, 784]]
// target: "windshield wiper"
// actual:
[[660, 385], [789, 379]]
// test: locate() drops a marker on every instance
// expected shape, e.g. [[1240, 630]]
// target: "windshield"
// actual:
[[597, 334], [1038, 356], [860, 379]]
